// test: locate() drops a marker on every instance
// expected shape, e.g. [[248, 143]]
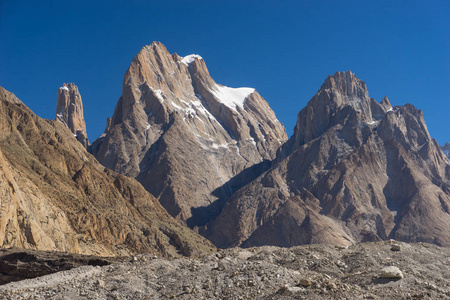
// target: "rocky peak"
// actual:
[[346, 83], [354, 170], [342, 99], [69, 111], [446, 149], [175, 125], [386, 103]]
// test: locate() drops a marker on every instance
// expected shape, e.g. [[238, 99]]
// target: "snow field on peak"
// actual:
[[190, 59], [231, 97], [65, 88]]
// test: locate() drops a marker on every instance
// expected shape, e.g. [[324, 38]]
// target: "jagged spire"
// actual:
[[69, 111]]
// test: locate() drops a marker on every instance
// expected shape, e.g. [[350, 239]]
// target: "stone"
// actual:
[[391, 272], [332, 286], [221, 265], [306, 282], [395, 247], [289, 290]]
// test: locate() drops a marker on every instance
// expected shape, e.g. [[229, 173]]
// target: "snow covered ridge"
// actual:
[[190, 59], [231, 97]]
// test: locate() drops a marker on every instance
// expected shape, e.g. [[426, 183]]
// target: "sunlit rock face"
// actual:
[[69, 111], [190, 141], [354, 170]]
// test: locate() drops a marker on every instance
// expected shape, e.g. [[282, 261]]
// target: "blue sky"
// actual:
[[284, 49]]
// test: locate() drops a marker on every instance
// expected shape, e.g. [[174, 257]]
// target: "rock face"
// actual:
[[69, 111], [55, 196], [354, 170], [19, 264], [190, 141]]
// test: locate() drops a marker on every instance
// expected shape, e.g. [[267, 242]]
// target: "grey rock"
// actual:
[[395, 247], [160, 278], [391, 272], [355, 170]]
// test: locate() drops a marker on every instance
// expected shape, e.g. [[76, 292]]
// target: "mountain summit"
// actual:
[[185, 137], [69, 111], [354, 170]]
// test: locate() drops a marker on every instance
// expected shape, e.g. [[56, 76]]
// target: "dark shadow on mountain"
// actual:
[[202, 215]]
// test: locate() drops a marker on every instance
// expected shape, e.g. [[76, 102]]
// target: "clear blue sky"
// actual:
[[284, 49]]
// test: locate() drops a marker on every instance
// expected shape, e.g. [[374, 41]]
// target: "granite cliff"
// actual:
[[190, 141], [69, 111], [354, 170]]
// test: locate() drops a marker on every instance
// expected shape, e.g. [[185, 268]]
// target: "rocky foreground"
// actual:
[[415, 271]]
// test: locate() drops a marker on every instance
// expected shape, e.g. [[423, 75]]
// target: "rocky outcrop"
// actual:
[[69, 111], [354, 170], [20, 264], [190, 141], [56, 196]]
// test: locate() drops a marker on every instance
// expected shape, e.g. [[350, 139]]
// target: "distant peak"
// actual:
[[386, 103], [346, 83], [154, 47], [68, 86], [69, 111]]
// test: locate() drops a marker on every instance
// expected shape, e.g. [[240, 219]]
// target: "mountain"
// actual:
[[69, 111], [190, 141], [56, 196], [446, 149], [354, 170]]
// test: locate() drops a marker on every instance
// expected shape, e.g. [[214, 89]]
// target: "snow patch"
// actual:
[[193, 108], [158, 93], [391, 109], [373, 122], [148, 127], [217, 146], [231, 97], [176, 106], [65, 88], [190, 59]]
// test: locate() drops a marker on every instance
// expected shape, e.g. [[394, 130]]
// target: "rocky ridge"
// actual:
[[354, 170], [446, 149], [69, 111], [55, 196], [190, 141], [361, 271]]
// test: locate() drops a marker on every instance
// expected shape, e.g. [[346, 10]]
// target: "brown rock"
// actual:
[[69, 111], [56, 196]]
